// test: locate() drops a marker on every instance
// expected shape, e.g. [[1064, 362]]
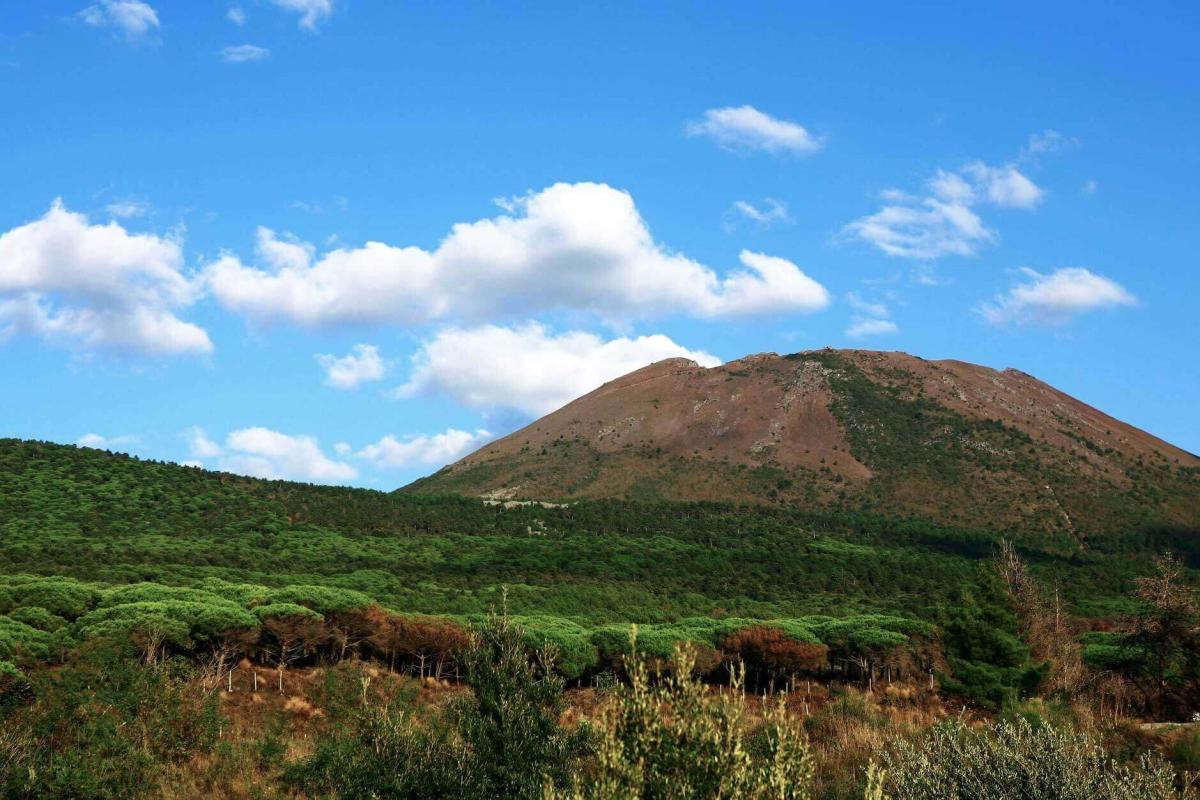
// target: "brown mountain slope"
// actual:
[[846, 429]]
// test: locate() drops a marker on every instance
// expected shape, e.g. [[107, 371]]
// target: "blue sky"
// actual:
[[347, 241]]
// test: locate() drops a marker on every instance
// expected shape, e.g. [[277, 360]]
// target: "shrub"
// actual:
[[574, 650], [674, 739], [102, 727], [502, 741], [1185, 752], [383, 752], [62, 596], [21, 642], [1014, 760], [509, 726], [13, 684], [37, 617]]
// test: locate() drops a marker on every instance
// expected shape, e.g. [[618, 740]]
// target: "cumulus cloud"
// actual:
[[200, 446], [99, 442], [96, 286], [870, 319], [578, 247], [528, 368], [1056, 298], [772, 211], [944, 222], [1003, 186], [423, 450], [240, 53], [236, 15], [264, 453], [132, 19], [862, 327], [362, 365], [312, 12], [744, 128]]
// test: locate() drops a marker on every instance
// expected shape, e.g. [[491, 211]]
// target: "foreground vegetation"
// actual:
[[105, 725], [166, 631]]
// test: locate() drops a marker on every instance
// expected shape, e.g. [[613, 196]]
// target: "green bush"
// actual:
[[13, 684], [22, 642], [103, 727], [503, 740], [37, 617], [1014, 760], [674, 739], [575, 653], [64, 597], [380, 753], [1185, 752]]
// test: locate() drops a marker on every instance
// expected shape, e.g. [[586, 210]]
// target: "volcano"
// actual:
[[853, 430]]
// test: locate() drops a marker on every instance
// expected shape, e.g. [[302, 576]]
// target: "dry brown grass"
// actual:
[[263, 729], [846, 727]]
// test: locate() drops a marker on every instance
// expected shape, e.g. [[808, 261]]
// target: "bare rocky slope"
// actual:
[[851, 430]]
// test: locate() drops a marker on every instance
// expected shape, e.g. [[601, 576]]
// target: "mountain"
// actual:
[[849, 430]]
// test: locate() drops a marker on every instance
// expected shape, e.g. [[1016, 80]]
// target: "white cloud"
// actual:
[[529, 369], [861, 327], [127, 209], [873, 308], [96, 287], [927, 231], [871, 319], [769, 285], [1089, 187], [581, 247], [1004, 186], [773, 211], [312, 12], [264, 453], [744, 128], [99, 442], [943, 222], [200, 446], [237, 16], [436, 450], [132, 18], [362, 365], [1056, 298], [240, 53]]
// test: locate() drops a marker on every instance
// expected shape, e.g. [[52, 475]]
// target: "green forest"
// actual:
[[149, 579]]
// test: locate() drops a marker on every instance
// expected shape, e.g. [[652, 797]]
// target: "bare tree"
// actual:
[[1045, 622]]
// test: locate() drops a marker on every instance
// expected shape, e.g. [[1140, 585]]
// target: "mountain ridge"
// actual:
[[949, 440]]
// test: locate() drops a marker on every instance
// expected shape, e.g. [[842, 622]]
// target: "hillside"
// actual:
[[92, 543], [846, 430]]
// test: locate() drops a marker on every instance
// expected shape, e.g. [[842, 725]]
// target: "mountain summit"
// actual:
[[850, 429]]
